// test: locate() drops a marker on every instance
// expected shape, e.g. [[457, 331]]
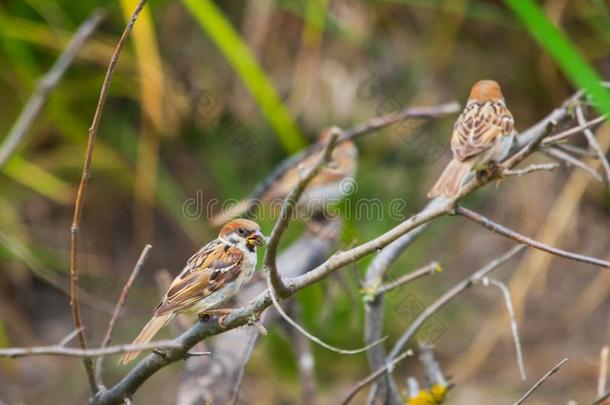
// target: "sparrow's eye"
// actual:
[[242, 231]]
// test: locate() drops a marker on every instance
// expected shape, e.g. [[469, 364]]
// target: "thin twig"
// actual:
[[377, 123], [372, 377], [240, 375], [566, 147], [117, 310], [197, 354], [509, 233], [58, 350], [559, 154], [47, 83], [288, 207], [532, 168], [428, 269], [573, 131], [601, 400], [449, 295], [603, 371], [305, 361], [541, 381], [68, 338], [385, 389], [310, 336], [513, 322], [593, 144], [82, 188]]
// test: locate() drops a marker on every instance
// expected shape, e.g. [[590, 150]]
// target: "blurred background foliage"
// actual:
[[209, 97]]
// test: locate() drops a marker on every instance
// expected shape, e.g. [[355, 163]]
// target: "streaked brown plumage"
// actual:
[[324, 188], [482, 133], [211, 276]]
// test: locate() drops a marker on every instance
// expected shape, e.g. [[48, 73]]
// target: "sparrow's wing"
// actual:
[[282, 171], [212, 267], [479, 127], [282, 181]]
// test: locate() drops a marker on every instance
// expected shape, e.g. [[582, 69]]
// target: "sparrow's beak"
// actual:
[[257, 238]]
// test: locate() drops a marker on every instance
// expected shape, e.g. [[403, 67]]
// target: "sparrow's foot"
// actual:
[[483, 175], [220, 313], [254, 320], [491, 171], [496, 172]]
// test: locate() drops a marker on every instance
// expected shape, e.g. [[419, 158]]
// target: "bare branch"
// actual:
[[571, 161], [593, 144], [240, 375], [573, 131], [603, 371], [197, 354], [305, 360], [450, 295], [68, 338], [363, 383], [513, 323], [532, 168], [378, 123], [82, 188], [58, 350], [566, 147], [310, 336], [541, 381], [428, 269], [288, 207], [385, 387], [502, 230], [117, 310], [47, 83]]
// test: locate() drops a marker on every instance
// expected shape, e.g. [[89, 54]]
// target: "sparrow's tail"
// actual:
[[234, 211], [449, 183], [147, 333]]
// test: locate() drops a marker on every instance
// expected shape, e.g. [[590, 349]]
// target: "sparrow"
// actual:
[[211, 276], [482, 135], [330, 185]]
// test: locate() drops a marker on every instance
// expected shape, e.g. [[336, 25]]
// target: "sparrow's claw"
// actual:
[[483, 175], [220, 313], [491, 171]]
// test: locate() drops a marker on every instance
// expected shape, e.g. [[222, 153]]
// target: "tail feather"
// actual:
[[450, 182], [234, 211], [147, 333]]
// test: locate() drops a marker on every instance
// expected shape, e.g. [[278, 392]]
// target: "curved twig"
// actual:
[[509, 233], [449, 295], [541, 381], [82, 188], [117, 310], [288, 207], [59, 350]]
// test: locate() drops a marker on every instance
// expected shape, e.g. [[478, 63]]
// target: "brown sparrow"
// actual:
[[326, 187], [211, 276], [482, 134]]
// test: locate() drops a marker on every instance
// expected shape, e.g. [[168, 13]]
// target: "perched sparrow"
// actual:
[[211, 276], [482, 134], [326, 187]]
